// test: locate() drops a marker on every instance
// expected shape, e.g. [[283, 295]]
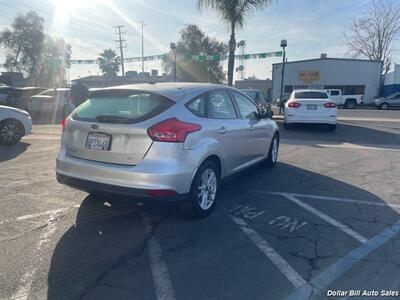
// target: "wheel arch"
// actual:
[[350, 99]]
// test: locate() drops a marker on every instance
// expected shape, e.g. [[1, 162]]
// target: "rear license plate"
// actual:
[[311, 107], [98, 141]]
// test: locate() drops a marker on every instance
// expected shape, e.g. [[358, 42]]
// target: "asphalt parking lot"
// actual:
[[325, 219]]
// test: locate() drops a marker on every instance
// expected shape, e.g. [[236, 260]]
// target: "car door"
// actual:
[[227, 128], [396, 100], [259, 134]]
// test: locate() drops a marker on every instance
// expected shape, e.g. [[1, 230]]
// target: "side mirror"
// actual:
[[264, 113]]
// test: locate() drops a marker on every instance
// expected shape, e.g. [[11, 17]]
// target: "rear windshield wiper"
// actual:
[[113, 119]]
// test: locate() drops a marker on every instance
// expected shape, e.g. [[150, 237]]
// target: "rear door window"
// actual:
[[334, 93], [311, 95], [220, 106], [122, 108]]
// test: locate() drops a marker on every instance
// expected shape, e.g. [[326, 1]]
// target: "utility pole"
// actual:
[[141, 22], [120, 41], [283, 45]]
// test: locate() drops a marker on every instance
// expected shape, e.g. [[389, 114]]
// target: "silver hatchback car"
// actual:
[[170, 141]]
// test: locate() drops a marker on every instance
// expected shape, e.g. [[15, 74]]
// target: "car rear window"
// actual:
[[311, 95], [123, 109], [47, 93]]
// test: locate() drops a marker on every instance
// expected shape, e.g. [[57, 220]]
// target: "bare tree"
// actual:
[[372, 34]]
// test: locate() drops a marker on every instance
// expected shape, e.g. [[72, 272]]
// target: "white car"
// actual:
[[310, 106], [14, 124]]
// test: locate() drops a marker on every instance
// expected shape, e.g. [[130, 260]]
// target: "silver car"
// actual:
[[171, 141], [388, 102]]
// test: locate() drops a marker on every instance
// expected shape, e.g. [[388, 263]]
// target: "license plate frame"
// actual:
[[92, 141], [312, 107]]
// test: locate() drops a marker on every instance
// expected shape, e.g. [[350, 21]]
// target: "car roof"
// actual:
[[250, 90], [172, 90], [310, 90]]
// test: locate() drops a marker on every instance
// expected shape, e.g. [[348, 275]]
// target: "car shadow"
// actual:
[[12, 151], [110, 232], [345, 133]]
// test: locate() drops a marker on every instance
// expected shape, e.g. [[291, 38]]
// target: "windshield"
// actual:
[[134, 108], [256, 96], [311, 95]]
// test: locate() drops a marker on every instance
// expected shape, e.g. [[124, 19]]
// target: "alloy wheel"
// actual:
[[274, 151], [207, 189], [10, 133]]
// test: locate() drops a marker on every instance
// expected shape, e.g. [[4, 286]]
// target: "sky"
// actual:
[[311, 27]]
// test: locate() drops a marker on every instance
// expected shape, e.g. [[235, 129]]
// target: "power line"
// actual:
[[120, 41]]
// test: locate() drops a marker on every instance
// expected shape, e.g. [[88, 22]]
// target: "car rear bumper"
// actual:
[[28, 128], [149, 174], [312, 119], [102, 188]]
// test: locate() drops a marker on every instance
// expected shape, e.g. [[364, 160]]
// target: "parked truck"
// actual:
[[348, 101]]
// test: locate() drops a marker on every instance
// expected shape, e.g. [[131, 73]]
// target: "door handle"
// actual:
[[222, 130]]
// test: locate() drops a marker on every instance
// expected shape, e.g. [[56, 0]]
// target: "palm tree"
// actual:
[[109, 63], [233, 12]]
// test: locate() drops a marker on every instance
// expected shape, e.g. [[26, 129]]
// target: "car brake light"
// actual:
[[63, 123], [294, 104], [160, 193], [171, 130], [330, 105]]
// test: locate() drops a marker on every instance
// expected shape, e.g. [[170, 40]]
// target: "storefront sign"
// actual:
[[309, 76]]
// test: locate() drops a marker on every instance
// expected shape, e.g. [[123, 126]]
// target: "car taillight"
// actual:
[[330, 105], [63, 123], [171, 130], [294, 104]]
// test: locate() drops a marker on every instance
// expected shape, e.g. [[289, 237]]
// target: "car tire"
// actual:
[[350, 104], [203, 193], [11, 132], [332, 127], [384, 106], [273, 152]]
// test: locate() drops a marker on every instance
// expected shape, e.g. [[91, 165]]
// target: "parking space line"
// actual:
[[346, 200], [25, 282], [325, 217], [342, 145], [321, 281], [31, 216], [274, 257], [161, 279]]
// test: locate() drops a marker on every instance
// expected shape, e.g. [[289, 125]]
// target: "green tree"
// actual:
[[55, 59], [233, 12], [24, 43], [109, 63], [194, 41]]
